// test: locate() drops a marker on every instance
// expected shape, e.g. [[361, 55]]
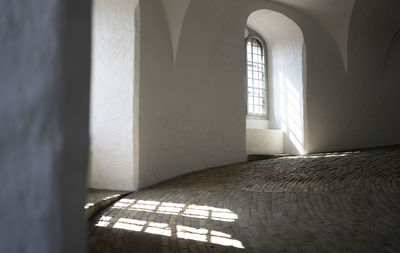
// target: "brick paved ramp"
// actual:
[[337, 202], [97, 199]]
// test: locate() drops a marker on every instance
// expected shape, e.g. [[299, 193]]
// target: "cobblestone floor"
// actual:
[[337, 202], [97, 199], [94, 196]]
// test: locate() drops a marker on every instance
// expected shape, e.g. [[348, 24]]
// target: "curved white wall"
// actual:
[[333, 15], [192, 87], [372, 114], [191, 113], [175, 11], [112, 96], [193, 106]]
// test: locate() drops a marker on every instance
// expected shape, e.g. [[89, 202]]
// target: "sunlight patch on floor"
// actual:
[[179, 231], [179, 209]]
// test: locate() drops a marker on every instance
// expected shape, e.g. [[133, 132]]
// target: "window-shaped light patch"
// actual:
[[197, 234], [145, 205], [182, 232], [123, 203], [179, 209], [224, 239], [103, 221], [129, 224], [195, 211], [207, 212], [223, 215], [170, 208], [158, 229]]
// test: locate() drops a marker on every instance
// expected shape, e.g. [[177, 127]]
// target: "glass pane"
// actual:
[[250, 92], [256, 100], [250, 108], [250, 100]]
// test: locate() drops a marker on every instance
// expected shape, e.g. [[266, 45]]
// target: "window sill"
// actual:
[[257, 117]]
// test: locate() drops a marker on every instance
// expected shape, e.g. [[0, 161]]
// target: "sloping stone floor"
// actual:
[[336, 202], [97, 199]]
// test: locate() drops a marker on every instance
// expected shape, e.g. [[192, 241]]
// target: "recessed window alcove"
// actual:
[[283, 130]]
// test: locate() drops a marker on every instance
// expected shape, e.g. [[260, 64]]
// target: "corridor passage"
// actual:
[[334, 202]]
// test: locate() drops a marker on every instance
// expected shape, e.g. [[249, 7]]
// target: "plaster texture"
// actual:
[[257, 123], [192, 100], [190, 114], [44, 111], [264, 141], [334, 16], [113, 116], [175, 11], [358, 110]]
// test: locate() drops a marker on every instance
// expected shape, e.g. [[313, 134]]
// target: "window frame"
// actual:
[[252, 34]]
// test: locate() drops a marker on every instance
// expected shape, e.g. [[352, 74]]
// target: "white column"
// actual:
[[112, 95]]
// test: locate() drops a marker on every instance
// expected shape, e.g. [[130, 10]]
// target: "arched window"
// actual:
[[256, 78]]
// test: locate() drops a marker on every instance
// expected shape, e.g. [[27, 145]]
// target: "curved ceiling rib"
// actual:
[[175, 11]]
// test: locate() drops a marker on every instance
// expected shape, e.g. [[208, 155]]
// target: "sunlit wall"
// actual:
[[113, 114], [284, 42]]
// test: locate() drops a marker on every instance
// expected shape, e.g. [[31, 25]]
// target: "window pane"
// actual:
[[250, 100], [256, 96], [250, 82], [250, 108], [256, 101]]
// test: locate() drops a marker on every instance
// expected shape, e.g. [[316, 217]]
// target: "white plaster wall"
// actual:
[[112, 95], [175, 11], [257, 123], [349, 113], [372, 114], [192, 115], [273, 143], [284, 41], [193, 109], [333, 15]]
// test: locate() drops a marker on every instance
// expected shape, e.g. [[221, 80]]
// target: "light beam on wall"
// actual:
[[291, 112]]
